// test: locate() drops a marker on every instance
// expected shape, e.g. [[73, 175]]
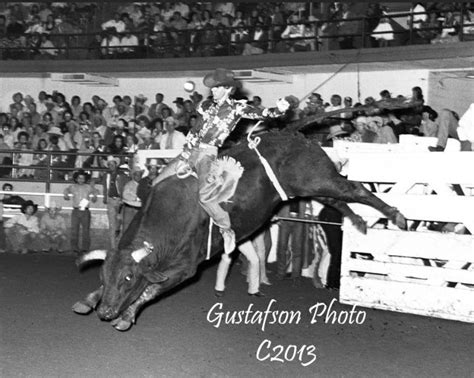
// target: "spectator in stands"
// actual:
[[113, 183], [140, 108], [131, 145], [25, 159], [383, 32], [41, 132], [145, 184], [110, 45], [8, 137], [115, 23], [9, 199], [314, 105], [5, 158], [34, 115], [336, 103], [76, 107], [239, 38], [22, 230], [82, 195], [295, 29], [52, 110], [47, 49], [429, 127], [157, 107], [131, 201], [258, 41], [362, 133], [148, 142], [40, 158], [35, 26], [40, 105], [128, 45], [172, 139], [384, 132], [17, 102], [53, 230]]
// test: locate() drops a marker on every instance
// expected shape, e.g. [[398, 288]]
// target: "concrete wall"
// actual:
[[344, 83]]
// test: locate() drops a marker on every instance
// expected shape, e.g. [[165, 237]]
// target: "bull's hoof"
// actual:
[[219, 293], [122, 325], [81, 308], [400, 220], [258, 294], [360, 224]]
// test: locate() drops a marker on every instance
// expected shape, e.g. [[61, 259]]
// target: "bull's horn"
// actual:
[[140, 254], [97, 254]]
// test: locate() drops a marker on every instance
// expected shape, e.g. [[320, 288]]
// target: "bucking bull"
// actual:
[[167, 240]]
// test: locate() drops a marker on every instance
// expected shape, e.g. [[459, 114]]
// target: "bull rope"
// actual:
[[253, 143]]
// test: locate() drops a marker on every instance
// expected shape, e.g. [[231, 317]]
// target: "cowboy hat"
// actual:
[[29, 203], [78, 173], [179, 100], [293, 100], [111, 159], [137, 169], [196, 97], [141, 97], [152, 163], [53, 206], [220, 77], [335, 131], [55, 131]]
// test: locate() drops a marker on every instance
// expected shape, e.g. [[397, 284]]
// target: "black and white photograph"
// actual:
[[236, 189]]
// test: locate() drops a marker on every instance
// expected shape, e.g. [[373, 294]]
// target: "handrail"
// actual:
[[147, 47]]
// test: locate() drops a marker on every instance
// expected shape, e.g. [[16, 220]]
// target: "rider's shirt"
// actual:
[[220, 120]]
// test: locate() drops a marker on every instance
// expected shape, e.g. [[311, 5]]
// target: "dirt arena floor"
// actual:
[[42, 337]]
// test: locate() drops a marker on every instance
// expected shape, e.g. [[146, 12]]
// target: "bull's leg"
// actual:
[[89, 302], [175, 277], [352, 191], [346, 211]]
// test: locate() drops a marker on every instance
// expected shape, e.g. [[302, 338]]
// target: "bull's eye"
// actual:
[[128, 277]]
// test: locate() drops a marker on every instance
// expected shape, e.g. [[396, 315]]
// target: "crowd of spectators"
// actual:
[[175, 29], [84, 133]]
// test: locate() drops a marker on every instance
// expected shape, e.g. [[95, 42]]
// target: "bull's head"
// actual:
[[124, 275]]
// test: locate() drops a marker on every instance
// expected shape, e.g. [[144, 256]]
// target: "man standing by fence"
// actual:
[[113, 184], [82, 194]]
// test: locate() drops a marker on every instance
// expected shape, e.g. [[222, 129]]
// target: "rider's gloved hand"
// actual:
[[282, 105]]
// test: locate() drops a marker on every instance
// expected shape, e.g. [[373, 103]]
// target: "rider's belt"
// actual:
[[293, 214]]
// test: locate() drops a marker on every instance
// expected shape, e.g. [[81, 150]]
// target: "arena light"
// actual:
[[85, 79]]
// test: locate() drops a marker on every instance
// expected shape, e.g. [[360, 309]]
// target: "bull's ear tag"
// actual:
[[141, 253]]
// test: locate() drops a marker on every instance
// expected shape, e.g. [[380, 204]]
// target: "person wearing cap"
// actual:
[[113, 183], [82, 194], [131, 202], [220, 116], [53, 229], [22, 230]]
